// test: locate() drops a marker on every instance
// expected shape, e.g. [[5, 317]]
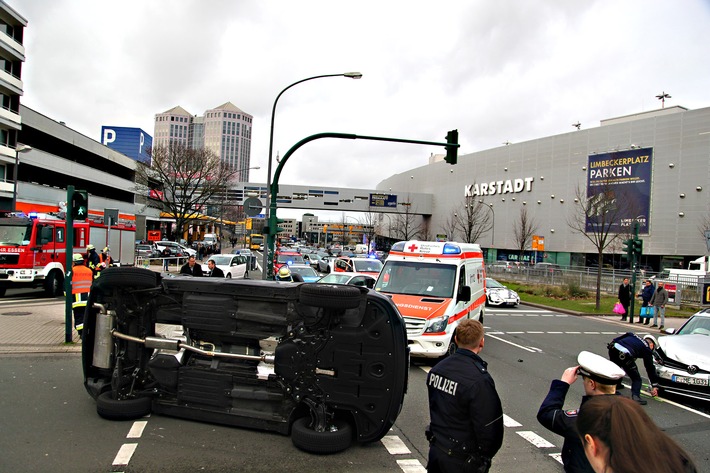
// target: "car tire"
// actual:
[[2, 291], [126, 409], [480, 316], [308, 440], [330, 296], [126, 277], [451, 349], [53, 284]]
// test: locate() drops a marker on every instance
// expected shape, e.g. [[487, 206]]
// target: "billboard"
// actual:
[[383, 200], [619, 185], [133, 142]]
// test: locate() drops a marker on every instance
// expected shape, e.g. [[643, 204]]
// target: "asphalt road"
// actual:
[[49, 422]]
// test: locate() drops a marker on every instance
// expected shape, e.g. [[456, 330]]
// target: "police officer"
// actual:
[[624, 350], [600, 377], [466, 428], [92, 258], [81, 279]]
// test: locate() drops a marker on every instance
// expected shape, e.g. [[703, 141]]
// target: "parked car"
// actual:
[[546, 269], [502, 267], [234, 266], [352, 279], [325, 264], [146, 251], [289, 358], [305, 271], [499, 295], [683, 358], [174, 247]]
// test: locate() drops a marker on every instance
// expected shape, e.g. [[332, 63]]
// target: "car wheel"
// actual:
[[126, 409], [451, 349], [229, 275], [330, 296], [330, 441], [480, 316], [126, 277], [53, 284]]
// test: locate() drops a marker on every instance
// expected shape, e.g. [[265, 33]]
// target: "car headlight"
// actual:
[[437, 325]]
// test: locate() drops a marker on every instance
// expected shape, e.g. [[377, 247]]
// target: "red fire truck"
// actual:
[[33, 249]]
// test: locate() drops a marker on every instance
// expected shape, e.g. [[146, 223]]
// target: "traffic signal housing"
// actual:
[[628, 249], [452, 147], [638, 247], [79, 207]]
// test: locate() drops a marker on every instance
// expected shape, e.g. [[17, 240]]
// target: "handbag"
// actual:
[[646, 312], [619, 309]]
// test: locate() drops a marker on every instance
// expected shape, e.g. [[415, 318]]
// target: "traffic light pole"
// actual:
[[635, 256], [68, 267], [272, 230]]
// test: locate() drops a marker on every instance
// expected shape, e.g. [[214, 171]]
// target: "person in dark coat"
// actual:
[[624, 350], [466, 428], [191, 267], [646, 295], [214, 271], [599, 377], [625, 297]]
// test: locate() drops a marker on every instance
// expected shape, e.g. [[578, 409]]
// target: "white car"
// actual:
[[352, 279], [234, 266], [499, 295], [175, 248]]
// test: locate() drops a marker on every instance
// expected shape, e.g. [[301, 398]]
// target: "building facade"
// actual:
[[12, 55], [658, 160]]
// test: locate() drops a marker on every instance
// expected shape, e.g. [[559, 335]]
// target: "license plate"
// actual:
[[693, 381]]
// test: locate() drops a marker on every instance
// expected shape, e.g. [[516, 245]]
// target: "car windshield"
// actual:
[[416, 278], [493, 283], [290, 259], [696, 325], [305, 271], [335, 278], [15, 234], [368, 266], [221, 260]]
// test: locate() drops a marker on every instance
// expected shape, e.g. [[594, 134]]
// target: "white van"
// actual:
[[434, 285]]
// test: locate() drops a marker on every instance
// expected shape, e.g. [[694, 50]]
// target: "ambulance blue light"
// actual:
[[451, 249], [33, 214]]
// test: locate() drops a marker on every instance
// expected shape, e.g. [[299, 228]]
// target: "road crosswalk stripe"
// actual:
[[535, 439], [394, 445]]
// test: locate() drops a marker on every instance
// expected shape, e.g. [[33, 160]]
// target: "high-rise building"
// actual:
[[12, 55], [225, 130]]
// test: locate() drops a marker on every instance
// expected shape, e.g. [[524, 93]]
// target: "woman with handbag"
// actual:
[[646, 295], [624, 298]]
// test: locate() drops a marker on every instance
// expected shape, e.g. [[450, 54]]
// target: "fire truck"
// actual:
[[33, 249]]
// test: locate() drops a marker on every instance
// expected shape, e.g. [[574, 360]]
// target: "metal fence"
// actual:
[[688, 292]]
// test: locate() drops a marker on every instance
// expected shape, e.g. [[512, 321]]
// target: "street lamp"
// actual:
[[493, 222], [20, 148], [351, 75]]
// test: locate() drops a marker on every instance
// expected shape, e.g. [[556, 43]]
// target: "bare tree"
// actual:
[[191, 180], [523, 230], [597, 217], [404, 226], [369, 221], [473, 218], [449, 227]]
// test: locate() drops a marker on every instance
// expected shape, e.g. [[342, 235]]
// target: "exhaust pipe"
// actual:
[[103, 342]]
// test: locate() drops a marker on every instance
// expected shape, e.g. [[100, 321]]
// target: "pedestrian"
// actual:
[[191, 267], [646, 294], [619, 437], [624, 351], [105, 258], [625, 297], [599, 377], [92, 259], [658, 302], [200, 250], [466, 416], [166, 258], [214, 271], [81, 279]]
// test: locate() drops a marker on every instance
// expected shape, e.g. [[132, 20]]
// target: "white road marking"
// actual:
[[124, 454], [558, 457], [411, 466], [137, 429], [511, 343], [394, 445], [509, 422], [535, 439]]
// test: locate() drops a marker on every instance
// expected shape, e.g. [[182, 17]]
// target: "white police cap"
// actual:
[[598, 368]]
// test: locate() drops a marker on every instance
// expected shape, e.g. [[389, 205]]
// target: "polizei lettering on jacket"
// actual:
[[443, 384], [509, 186]]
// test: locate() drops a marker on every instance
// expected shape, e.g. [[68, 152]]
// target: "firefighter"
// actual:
[[92, 258], [81, 279], [105, 258]]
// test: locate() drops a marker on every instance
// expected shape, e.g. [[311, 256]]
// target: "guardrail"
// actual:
[[689, 287]]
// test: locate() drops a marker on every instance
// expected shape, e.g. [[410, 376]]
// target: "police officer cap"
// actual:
[[598, 368], [89, 247], [77, 258]]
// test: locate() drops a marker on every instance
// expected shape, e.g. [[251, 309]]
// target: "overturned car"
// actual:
[[325, 364]]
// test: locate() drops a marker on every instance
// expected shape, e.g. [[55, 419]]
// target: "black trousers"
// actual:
[[628, 364]]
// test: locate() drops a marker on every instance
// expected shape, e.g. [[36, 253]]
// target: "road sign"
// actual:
[[252, 206]]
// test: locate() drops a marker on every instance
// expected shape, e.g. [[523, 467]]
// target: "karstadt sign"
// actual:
[[509, 186]]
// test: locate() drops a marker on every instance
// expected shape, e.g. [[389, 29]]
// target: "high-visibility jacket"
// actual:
[[81, 280], [105, 258]]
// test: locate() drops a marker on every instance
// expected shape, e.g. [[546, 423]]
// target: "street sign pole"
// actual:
[[68, 267]]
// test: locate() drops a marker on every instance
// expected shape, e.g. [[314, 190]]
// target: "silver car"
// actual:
[[682, 359], [499, 295]]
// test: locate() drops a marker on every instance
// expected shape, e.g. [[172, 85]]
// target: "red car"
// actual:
[[287, 257]]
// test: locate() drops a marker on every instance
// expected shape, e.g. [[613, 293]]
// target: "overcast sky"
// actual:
[[504, 70]]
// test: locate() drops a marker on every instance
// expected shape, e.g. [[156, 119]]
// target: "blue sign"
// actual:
[[619, 191], [133, 142], [383, 200]]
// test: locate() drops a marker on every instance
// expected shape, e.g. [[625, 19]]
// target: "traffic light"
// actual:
[[273, 227], [452, 148], [638, 247], [80, 205], [628, 249]]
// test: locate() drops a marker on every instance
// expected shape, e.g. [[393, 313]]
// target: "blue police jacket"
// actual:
[[638, 348]]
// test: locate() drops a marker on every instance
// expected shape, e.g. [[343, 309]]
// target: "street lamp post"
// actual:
[[351, 75], [20, 148], [493, 222]]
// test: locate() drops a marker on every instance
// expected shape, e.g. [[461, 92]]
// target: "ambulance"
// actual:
[[435, 285]]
